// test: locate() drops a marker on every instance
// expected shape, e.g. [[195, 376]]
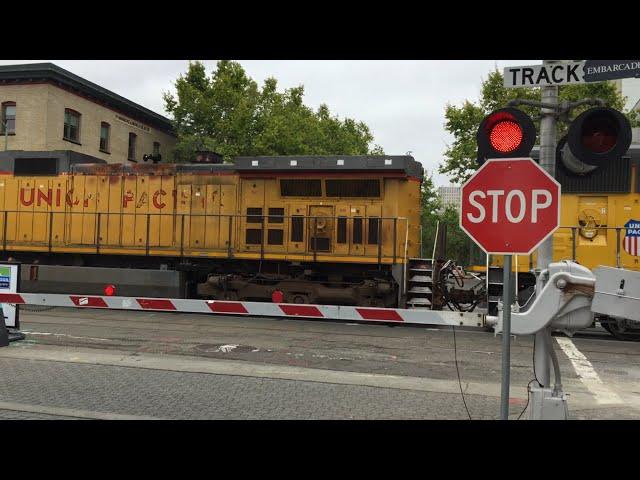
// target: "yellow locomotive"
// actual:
[[600, 225], [316, 229], [600, 217]]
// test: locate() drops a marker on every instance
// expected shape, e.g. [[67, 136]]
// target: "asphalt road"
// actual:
[[142, 365]]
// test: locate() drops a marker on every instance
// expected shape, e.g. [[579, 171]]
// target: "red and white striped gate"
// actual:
[[262, 309]]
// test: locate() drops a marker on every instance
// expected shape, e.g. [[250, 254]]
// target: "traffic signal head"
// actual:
[[599, 135], [505, 133]]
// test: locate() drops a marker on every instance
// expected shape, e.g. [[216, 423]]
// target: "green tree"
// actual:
[[431, 205], [463, 121], [229, 113], [458, 243]]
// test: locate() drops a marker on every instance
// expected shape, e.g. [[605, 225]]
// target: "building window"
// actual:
[[156, 149], [105, 129], [71, 125], [132, 147], [8, 118]]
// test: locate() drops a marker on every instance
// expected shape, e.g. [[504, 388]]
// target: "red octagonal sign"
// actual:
[[510, 206]]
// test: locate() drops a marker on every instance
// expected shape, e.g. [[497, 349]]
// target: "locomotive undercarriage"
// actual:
[[319, 284], [335, 284]]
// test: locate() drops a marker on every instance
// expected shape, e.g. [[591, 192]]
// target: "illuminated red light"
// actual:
[[110, 290], [505, 136]]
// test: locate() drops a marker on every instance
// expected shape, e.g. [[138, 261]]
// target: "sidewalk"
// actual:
[[45, 381]]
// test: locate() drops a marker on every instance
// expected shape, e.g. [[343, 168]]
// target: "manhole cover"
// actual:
[[225, 348]]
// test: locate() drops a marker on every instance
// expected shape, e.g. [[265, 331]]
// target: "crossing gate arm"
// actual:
[[258, 309]]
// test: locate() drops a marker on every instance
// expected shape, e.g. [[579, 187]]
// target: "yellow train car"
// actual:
[[317, 229], [600, 217]]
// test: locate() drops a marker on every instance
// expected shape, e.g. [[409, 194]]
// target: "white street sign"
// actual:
[[566, 73], [570, 72]]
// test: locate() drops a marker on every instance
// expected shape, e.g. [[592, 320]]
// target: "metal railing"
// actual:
[[574, 232], [186, 233]]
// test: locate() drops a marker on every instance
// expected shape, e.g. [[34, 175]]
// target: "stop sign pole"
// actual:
[[510, 206]]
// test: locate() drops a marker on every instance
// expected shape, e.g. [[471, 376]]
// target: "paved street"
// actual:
[[84, 364]]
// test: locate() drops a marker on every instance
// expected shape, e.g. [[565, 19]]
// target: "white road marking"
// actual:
[[587, 373], [64, 335]]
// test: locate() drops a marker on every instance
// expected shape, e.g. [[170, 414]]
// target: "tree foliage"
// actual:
[[433, 212], [463, 121], [229, 113]]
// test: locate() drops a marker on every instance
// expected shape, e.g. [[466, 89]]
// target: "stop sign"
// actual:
[[510, 206]]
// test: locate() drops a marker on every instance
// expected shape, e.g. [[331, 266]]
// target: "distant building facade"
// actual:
[[449, 196], [48, 109]]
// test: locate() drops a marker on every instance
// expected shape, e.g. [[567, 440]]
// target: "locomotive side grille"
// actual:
[[373, 231], [357, 230], [254, 236], [275, 237], [342, 230], [254, 215], [297, 228], [276, 215], [319, 244], [353, 188], [300, 187]]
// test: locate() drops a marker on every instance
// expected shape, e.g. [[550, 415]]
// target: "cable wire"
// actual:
[[455, 356], [528, 396]]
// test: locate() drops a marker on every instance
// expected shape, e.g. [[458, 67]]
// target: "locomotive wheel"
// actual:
[[615, 330], [612, 327], [298, 298]]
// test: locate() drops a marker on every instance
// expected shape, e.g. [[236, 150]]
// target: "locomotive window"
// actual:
[[254, 215], [297, 228], [300, 187], [254, 236], [373, 230], [275, 237], [357, 230], [35, 166], [276, 215], [353, 188], [342, 230]]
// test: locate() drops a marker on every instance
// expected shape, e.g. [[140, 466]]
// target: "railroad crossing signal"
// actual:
[[505, 133], [510, 206], [596, 137]]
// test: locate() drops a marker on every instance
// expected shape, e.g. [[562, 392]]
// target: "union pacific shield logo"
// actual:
[[631, 237]]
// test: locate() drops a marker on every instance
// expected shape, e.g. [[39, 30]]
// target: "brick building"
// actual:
[[49, 111]]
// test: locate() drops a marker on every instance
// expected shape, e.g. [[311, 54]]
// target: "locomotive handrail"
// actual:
[[99, 219]]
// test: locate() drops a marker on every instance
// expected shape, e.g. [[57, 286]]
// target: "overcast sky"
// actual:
[[403, 102]]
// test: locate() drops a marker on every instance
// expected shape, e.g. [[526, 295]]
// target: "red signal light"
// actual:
[[505, 133], [505, 136], [110, 290], [598, 136]]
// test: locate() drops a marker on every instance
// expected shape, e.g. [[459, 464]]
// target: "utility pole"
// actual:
[[545, 250]]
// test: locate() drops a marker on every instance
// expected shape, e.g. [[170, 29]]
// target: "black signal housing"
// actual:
[[505, 133], [599, 135]]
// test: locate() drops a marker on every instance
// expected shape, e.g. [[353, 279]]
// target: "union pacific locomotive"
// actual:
[[316, 229], [600, 216]]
